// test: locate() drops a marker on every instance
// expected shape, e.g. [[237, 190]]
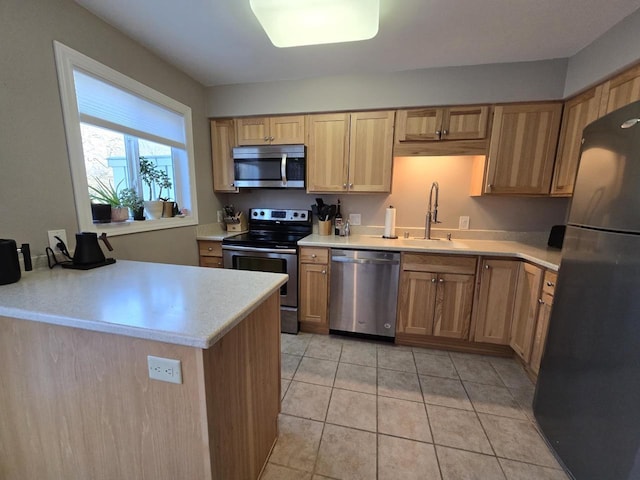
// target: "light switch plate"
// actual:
[[164, 369], [463, 224], [355, 218]]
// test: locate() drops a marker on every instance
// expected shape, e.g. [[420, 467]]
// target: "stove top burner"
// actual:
[[271, 228]]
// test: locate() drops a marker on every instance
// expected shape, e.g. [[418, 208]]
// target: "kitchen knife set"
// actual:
[[325, 212]]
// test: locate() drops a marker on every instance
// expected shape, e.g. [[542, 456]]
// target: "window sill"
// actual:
[[132, 226]]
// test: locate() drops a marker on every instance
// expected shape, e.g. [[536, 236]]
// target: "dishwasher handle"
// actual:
[[382, 261]]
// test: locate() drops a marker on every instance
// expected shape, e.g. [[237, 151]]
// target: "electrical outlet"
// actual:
[[220, 216], [463, 224], [355, 218], [53, 242], [164, 369]]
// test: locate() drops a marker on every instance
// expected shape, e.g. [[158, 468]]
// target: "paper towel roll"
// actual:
[[390, 223]]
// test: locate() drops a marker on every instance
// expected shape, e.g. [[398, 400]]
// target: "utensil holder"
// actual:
[[324, 227]]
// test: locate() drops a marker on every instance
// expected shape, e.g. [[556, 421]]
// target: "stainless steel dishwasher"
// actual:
[[364, 292]]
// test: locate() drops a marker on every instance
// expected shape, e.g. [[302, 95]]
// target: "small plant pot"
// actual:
[[101, 212], [119, 214], [168, 209], [138, 213], [153, 209]]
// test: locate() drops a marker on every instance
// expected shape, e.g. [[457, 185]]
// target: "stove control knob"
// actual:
[[295, 214], [255, 214], [262, 213], [303, 215]]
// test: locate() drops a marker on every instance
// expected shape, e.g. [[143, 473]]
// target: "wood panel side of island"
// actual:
[[77, 404]]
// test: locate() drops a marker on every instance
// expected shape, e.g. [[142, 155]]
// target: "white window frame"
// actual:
[[67, 60]]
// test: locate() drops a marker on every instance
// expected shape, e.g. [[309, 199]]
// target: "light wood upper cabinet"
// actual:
[[350, 152], [522, 149], [620, 91], [223, 140], [441, 131], [578, 113], [281, 130], [525, 313], [313, 291], [496, 297], [436, 295]]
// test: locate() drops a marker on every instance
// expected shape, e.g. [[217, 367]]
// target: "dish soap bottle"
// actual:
[[338, 221]]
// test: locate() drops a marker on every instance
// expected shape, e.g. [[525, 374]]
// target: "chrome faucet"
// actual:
[[432, 212]]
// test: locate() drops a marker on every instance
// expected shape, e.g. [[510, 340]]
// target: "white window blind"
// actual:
[[104, 105]]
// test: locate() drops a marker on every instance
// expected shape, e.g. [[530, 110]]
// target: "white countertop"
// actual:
[[540, 255], [177, 304], [213, 231]]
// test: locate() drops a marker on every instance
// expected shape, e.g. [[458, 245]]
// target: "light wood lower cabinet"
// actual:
[[495, 302], [542, 324], [525, 313], [210, 253], [436, 295], [313, 293]]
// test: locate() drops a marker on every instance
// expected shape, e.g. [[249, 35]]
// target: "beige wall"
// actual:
[[412, 178], [35, 181]]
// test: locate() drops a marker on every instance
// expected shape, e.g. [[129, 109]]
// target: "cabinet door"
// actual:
[[495, 301], [314, 290], [416, 304], [418, 125], [526, 309], [578, 113], [286, 130], [252, 131], [621, 90], [370, 151], [542, 326], [454, 300], [223, 139], [327, 152], [465, 123], [522, 148]]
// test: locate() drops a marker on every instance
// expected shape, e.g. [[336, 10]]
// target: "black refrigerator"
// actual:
[[587, 399]]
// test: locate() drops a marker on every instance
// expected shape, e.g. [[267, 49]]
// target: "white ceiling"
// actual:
[[220, 42]]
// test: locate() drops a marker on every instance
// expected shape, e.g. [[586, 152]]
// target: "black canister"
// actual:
[[9, 263]]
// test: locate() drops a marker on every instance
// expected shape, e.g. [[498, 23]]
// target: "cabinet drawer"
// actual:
[[211, 262], [549, 284], [421, 262], [314, 255], [209, 248]]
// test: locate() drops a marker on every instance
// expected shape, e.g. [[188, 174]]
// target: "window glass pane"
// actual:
[[161, 156], [104, 157]]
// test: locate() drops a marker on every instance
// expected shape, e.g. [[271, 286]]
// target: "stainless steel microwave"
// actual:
[[270, 166]]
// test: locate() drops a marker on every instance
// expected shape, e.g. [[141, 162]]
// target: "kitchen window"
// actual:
[[112, 122]]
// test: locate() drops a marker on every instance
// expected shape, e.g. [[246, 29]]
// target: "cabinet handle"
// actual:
[[541, 301], [445, 132], [487, 267], [324, 272], [266, 139], [433, 280], [210, 249], [313, 255], [351, 185], [489, 186], [271, 138], [441, 280], [344, 185], [550, 284]]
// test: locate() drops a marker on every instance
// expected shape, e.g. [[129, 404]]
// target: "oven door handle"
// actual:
[[233, 248], [283, 168]]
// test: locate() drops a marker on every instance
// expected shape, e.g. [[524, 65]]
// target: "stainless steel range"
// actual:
[[271, 245]]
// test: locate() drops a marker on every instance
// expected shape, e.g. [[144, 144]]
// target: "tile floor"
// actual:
[[355, 409]]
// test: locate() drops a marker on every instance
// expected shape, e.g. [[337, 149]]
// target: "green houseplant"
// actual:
[[152, 175], [129, 198], [106, 194]]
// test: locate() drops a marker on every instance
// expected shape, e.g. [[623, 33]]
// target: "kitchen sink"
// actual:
[[432, 243]]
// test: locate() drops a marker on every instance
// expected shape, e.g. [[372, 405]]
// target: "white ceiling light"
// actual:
[[292, 23]]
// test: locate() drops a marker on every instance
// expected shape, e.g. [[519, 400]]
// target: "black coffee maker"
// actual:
[[9, 262]]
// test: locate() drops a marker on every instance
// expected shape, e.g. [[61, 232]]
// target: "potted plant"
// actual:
[[152, 175], [106, 194], [129, 198]]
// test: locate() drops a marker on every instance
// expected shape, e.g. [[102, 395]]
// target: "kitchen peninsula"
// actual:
[[77, 402]]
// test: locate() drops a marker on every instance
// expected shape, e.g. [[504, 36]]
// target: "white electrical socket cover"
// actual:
[[463, 224], [164, 369], [54, 241], [355, 218]]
